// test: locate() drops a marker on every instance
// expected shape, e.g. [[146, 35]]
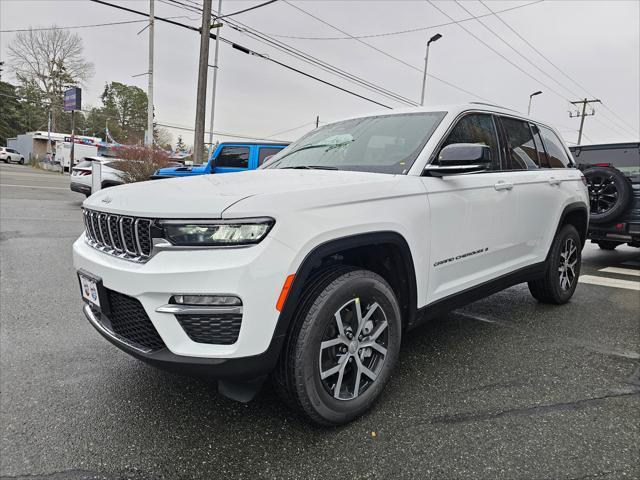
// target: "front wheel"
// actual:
[[22, 161], [563, 269], [343, 347]]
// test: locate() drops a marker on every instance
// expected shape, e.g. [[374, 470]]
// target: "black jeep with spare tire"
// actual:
[[613, 177]]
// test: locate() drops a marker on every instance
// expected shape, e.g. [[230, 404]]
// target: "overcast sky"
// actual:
[[596, 43]]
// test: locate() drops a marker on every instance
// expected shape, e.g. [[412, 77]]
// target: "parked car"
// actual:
[[81, 174], [613, 177], [11, 155], [315, 266], [227, 157]]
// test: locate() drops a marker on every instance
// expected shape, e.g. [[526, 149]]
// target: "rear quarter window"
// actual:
[[556, 154]]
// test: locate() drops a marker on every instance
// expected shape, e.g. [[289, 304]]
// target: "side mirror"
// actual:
[[460, 158]]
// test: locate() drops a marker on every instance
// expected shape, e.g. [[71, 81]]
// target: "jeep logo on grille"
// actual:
[[106, 200]]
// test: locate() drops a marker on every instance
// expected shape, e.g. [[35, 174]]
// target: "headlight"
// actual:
[[245, 231]]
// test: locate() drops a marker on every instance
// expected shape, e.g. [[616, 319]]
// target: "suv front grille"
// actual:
[[125, 237], [130, 321], [215, 328]]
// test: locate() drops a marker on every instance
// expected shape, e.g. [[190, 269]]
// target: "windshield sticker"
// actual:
[[461, 256]]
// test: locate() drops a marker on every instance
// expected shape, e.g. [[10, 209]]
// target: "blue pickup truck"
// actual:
[[227, 157]]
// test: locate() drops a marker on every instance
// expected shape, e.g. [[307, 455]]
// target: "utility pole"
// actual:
[[198, 140], [317, 121], [215, 78], [583, 114], [149, 139]]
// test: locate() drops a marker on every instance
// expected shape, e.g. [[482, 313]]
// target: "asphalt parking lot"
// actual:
[[505, 388]]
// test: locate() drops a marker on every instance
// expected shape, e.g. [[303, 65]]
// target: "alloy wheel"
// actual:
[[568, 262], [353, 349], [603, 193]]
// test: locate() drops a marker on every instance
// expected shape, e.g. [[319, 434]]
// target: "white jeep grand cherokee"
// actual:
[[313, 267]]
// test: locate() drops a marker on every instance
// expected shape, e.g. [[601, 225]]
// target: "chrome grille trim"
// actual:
[[117, 239], [118, 229]]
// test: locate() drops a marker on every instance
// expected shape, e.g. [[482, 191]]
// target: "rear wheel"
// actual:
[[607, 245], [563, 269], [343, 347]]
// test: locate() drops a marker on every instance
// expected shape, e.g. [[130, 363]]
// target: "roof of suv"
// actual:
[[454, 109]]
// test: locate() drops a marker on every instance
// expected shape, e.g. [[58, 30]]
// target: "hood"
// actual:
[[208, 196]]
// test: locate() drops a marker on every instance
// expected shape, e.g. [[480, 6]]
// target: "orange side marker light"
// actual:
[[285, 291]]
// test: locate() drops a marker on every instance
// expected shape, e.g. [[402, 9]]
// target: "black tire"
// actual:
[[607, 245], [552, 288], [609, 193], [298, 375], [22, 161]]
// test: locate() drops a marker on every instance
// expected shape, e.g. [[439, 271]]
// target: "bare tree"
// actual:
[[52, 61]]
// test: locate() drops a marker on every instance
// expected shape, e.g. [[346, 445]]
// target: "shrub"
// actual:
[[139, 162]]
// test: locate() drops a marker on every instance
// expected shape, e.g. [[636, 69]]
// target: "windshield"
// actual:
[[381, 144], [625, 159]]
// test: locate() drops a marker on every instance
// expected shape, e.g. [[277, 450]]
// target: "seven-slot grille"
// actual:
[[125, 237]]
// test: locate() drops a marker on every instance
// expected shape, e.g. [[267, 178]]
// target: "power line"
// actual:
[[246, 9], [307, 58], [499, 54], [219, 133], [401, 32], [245, 50], [83, 26], [387, 54], [291, 129], [550, 62]]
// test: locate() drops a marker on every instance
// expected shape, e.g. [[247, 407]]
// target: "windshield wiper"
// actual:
[[329, 146], [311, 167]]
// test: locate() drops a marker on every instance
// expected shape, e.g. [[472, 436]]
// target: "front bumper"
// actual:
[[254, 274], [236, 369]]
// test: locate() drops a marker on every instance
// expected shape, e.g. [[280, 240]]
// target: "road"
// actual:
[[505, 388]]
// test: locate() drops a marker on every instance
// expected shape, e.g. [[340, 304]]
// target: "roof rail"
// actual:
[[494, 105]]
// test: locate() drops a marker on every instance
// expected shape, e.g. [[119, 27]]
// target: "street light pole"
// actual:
[[436, 37], [215, 80], [531, 98], [149, 139]]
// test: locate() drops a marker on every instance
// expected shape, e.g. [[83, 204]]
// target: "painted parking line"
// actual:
[[632, 263], [33, 186], [609, 282], [621, 271]]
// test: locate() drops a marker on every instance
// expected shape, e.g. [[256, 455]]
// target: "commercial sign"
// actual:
[[73, 99]]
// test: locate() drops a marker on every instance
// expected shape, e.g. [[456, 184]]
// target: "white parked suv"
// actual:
[[313, 267], [11, 155], [81, 176]]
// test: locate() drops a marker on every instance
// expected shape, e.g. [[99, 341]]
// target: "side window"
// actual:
[[521, 150], [236, 157], [555, 149], [477, 128], [542, 154], [265, 152]]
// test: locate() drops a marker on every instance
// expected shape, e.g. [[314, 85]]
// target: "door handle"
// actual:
[[503, 186], [554, 181]]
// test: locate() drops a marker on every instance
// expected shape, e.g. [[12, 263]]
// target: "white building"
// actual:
[[33, 145]]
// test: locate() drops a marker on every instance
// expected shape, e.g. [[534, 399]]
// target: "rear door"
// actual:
[[232, 158], [539, 196], [472, 216]]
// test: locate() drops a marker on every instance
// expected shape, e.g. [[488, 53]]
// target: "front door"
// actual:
[[472, 216]]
